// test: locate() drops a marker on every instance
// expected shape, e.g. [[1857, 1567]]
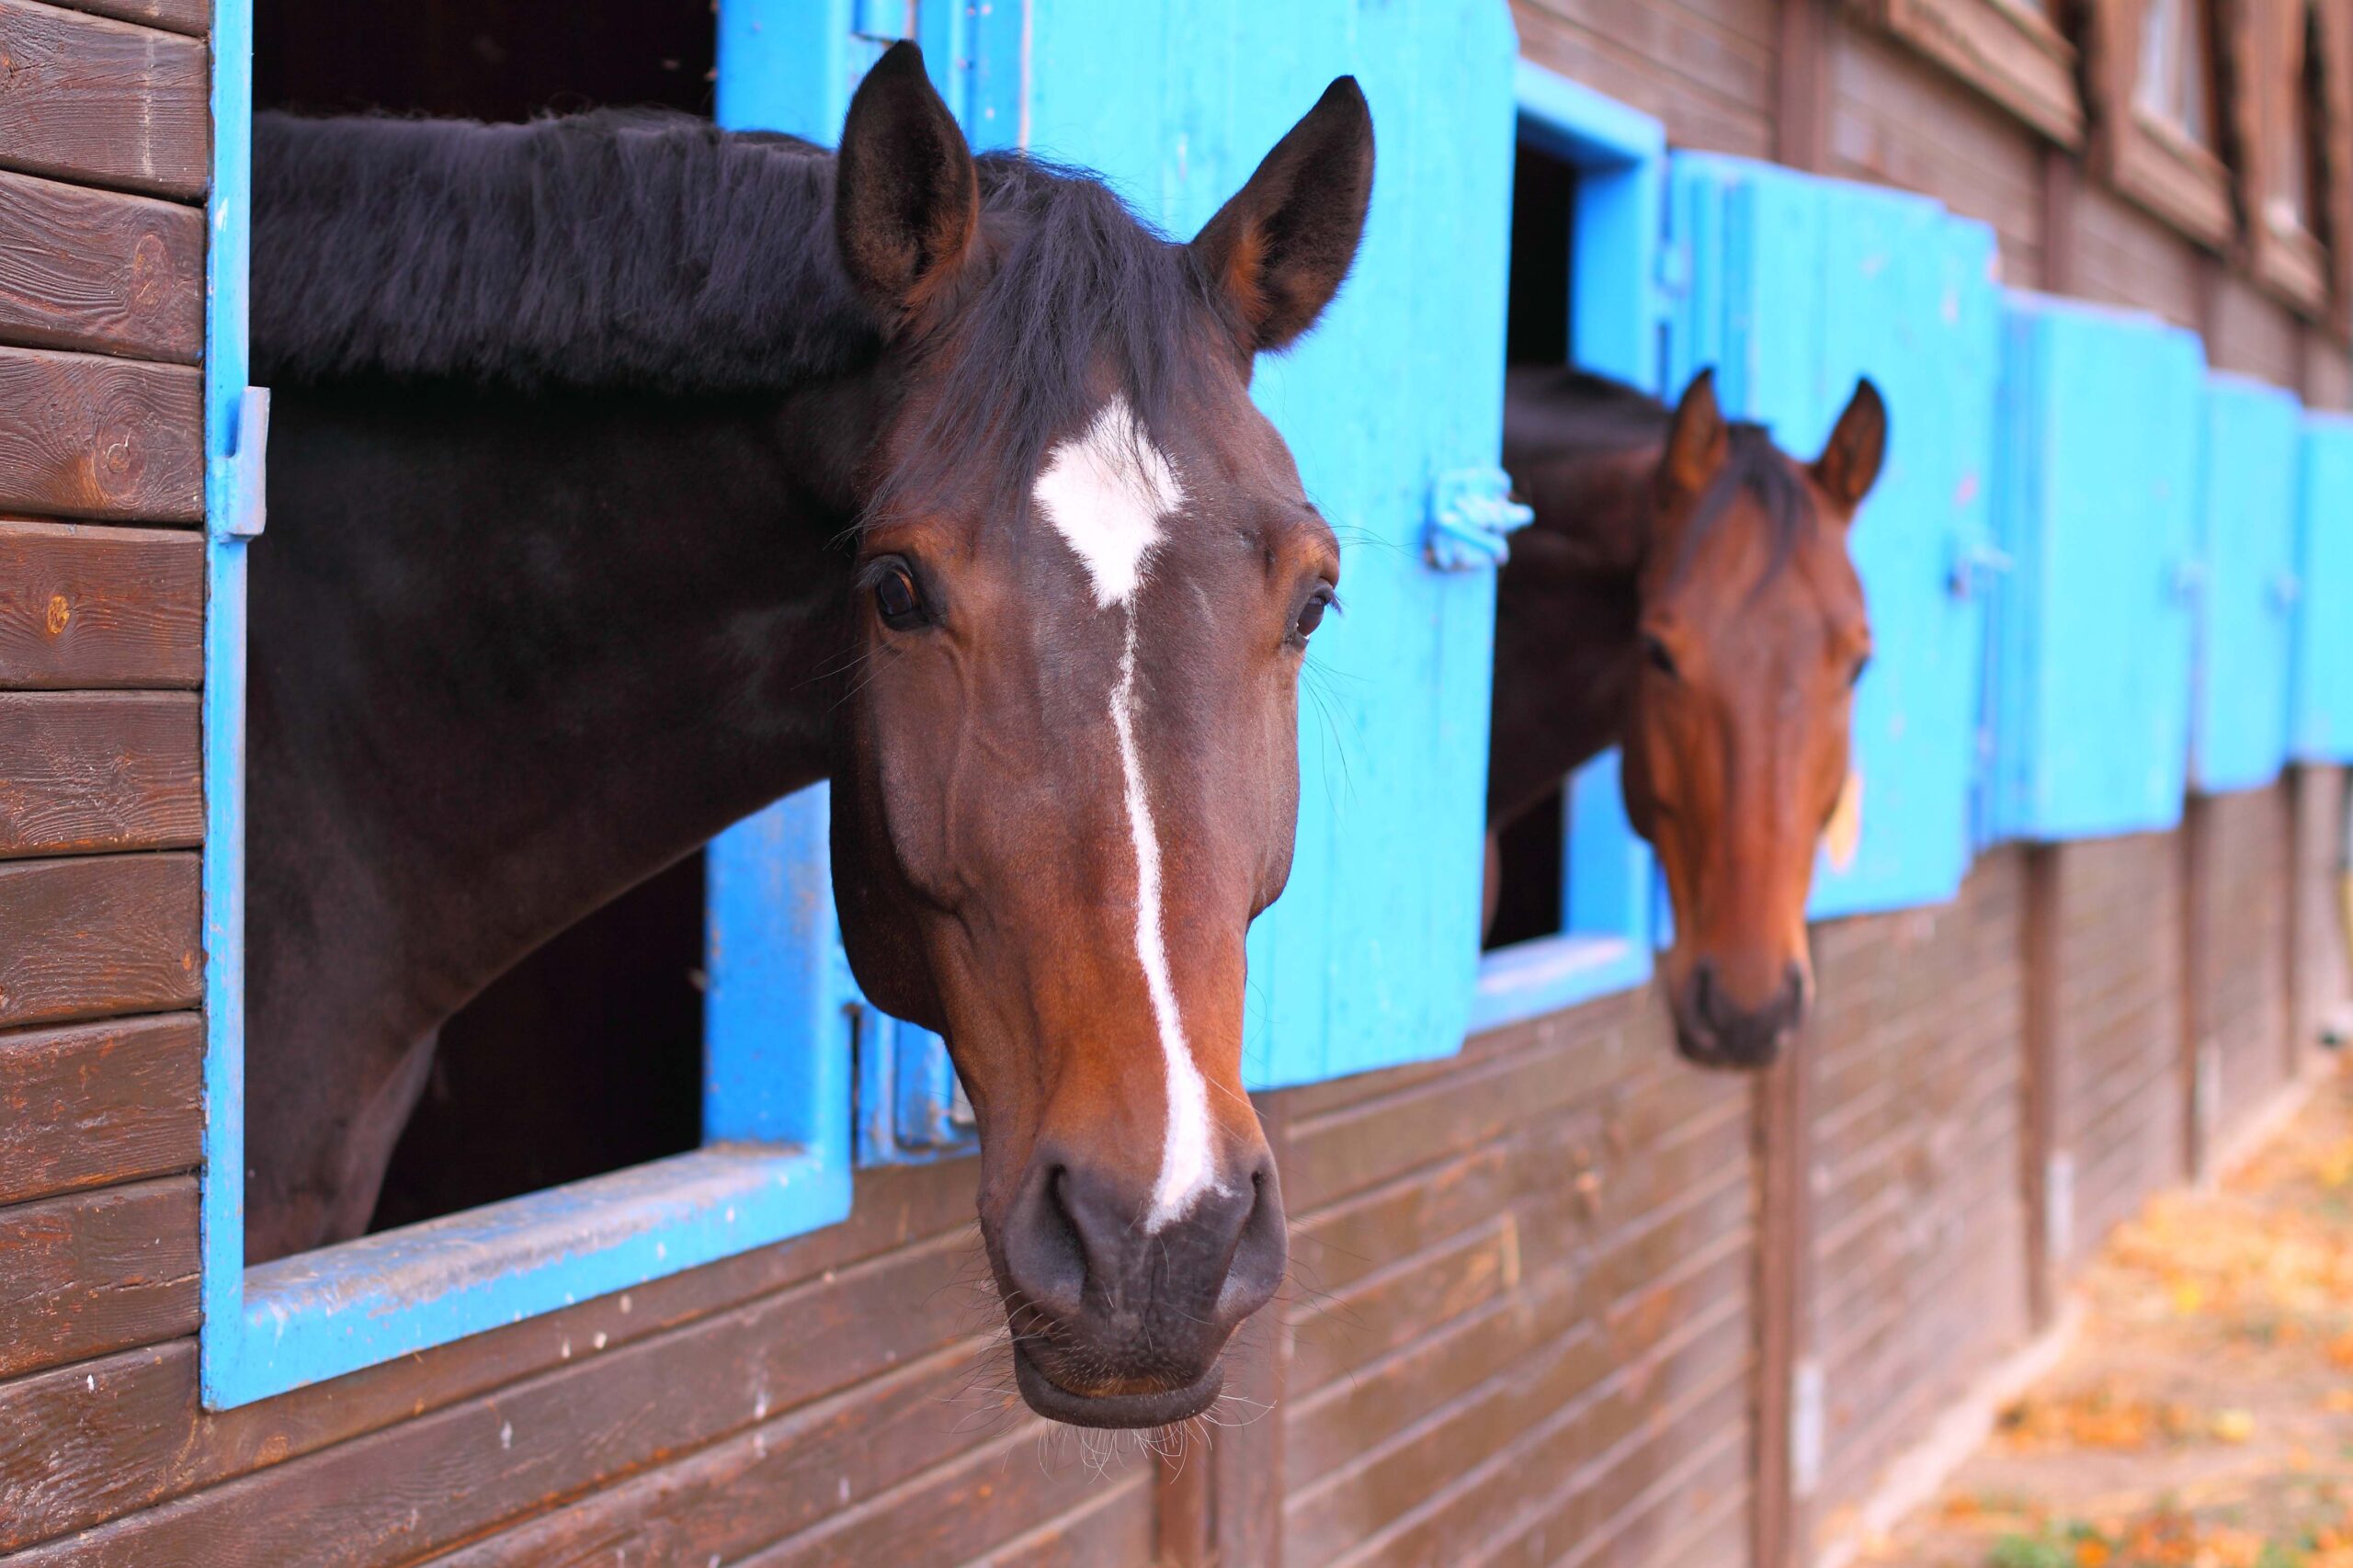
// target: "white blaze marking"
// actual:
[[1106, 492]]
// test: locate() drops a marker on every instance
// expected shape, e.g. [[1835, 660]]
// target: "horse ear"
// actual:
[[1698, 443], [906, 200], [1277, 252], [1849, 463]]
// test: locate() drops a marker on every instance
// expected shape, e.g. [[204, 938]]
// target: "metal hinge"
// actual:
[[1472, 516], [1674, 270], [1976, 566], [2189, 579]]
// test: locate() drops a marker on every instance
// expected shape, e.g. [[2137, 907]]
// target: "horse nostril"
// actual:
[[1045, 1255], [1261, 1250], [1793, 994]]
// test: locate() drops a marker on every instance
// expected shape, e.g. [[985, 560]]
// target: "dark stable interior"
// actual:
[[586, 1057], [1536, 331]]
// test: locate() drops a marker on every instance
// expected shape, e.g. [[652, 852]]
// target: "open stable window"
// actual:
[[2162, 118], [1793, 287], [1579, 885], [2096, 498]]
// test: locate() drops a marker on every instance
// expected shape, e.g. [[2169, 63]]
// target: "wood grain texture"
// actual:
[[83, 606], [96, 1272], [99, 270], [101, 102], [1919, 1249], [95, 937], [434, 1481], [93, 772], [2004, 50], [105, 438], [1705, 69], [764, 1484], [95, 1103], [177, 16], [725, 1312]]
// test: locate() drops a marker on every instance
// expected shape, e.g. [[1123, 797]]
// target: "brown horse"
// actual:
[[1684, 592], [628, 476]]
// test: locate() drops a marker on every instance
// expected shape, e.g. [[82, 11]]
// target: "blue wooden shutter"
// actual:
[[1793, 287], [1369, 959], [2247, 518], [2097, 488], [2322, 683]]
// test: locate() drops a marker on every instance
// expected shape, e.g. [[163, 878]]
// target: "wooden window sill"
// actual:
[[2291, 263], [2157, 165], [2005, 49]]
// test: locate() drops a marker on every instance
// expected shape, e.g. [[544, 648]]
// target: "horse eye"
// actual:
[[1660, 659], [898, 600], [1311, 614]]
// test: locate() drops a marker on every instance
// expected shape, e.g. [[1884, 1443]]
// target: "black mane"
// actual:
[[651, 251], [1572, 410], [600, 251]]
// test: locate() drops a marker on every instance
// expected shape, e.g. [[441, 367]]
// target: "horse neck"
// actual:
[[510, 657], [1567, 610]]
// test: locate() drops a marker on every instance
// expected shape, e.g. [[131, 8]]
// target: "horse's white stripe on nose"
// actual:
[[1106, 492]]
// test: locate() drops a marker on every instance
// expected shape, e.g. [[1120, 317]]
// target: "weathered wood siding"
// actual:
[[1919, 1230], [2240, 960], [1522, 1329], [104, 139], [2319, 985], [2117, 953]]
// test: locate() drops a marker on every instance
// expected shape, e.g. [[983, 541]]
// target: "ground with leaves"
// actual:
[[2204, 1416]]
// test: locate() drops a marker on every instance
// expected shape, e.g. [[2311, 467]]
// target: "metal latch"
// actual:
[[1472, 516], [240, 498]]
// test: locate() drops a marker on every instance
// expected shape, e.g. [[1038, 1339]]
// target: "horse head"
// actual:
[[1752, 633], [1067, 772]]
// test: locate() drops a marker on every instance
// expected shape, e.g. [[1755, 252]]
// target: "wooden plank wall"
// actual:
[[2319, 984], [1522, 1333], [2120, 1111], [2240, 979], [1919, 1237], [103, 160]]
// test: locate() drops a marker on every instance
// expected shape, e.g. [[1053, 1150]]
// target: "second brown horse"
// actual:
[[1686, 593]]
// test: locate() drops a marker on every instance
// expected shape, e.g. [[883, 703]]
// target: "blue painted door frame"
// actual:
[[1615, 312]]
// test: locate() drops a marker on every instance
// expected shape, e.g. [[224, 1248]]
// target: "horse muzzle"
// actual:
[[1117, 1323], [1714, 1029]]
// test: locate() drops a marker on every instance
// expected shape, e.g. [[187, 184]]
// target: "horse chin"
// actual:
[[1114, 1411]]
